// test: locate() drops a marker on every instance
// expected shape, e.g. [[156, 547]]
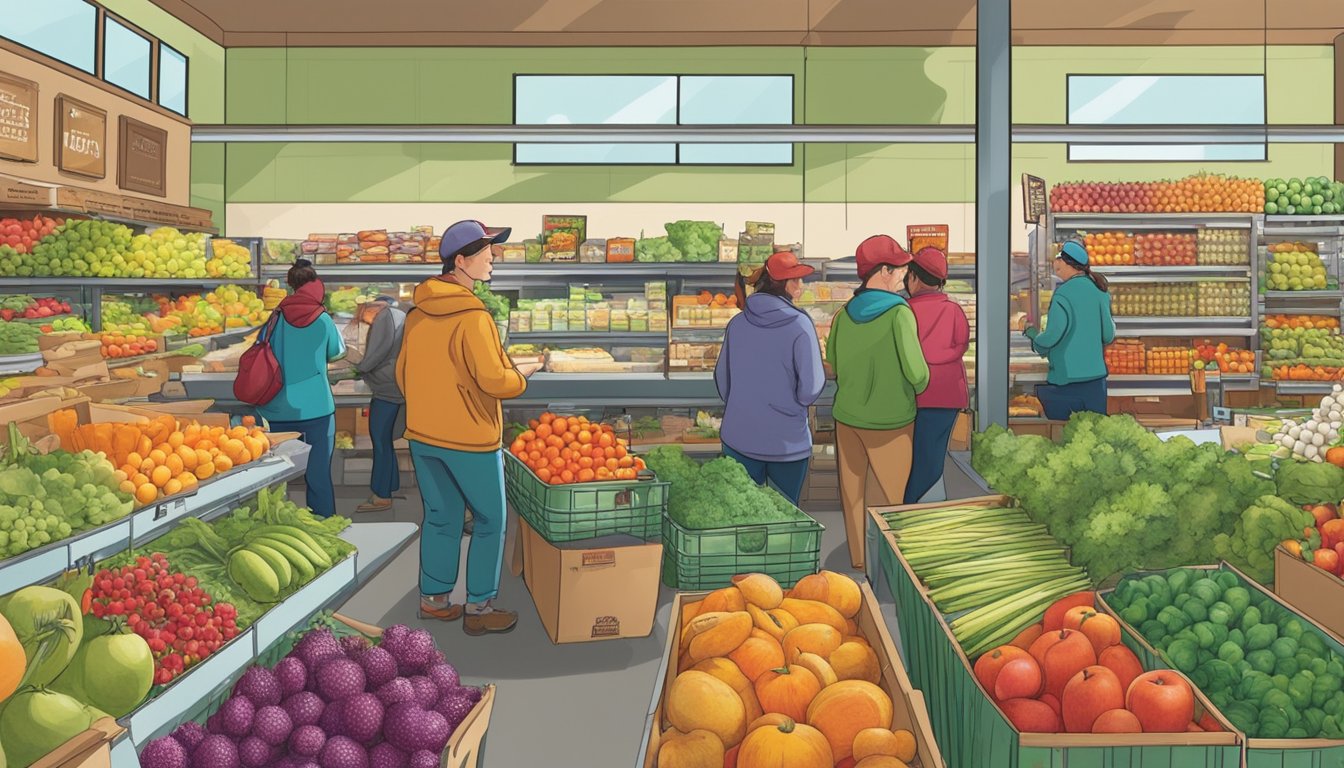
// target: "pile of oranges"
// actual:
[[1108, 249], [1200, 193], [188, 455], [563, 450], [118, 345]]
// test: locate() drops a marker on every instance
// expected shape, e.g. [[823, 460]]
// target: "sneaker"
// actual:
[[491, 620], [375, 504], [439, 610]]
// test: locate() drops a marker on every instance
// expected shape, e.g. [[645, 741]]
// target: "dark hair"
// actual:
[[1100, 281], [300, 274], [763, 283], [470, 249], [863, 279], [923, 275]]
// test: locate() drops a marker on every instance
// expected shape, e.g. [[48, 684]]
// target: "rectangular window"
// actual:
[[653, 100], [172, 80], [1166, 100], [126, 58], [66, 30]]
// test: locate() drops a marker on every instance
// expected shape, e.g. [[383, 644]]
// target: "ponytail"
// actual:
[[1098, 280], [740, 289], [761, 282]]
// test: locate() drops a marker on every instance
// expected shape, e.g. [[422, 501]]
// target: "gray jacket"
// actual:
[[379, 365]]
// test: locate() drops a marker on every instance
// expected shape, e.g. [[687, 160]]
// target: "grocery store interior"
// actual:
[[1148, 575]]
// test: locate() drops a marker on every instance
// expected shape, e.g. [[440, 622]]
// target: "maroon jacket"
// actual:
[[944, 336]]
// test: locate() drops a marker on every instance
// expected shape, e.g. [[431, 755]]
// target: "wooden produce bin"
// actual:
[[909, 708], [90, 749], [972, 731], [1259, 753], [1312, 592]]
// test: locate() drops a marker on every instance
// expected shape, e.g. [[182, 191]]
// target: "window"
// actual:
[[172, 80], [66, 30], [653, 100], [126, 57], [1166, 100]]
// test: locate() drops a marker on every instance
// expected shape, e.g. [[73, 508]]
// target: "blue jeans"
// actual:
[[933, 428], [383, 416], [786, 476], [1060, 401], [320, 435], [450, 481]]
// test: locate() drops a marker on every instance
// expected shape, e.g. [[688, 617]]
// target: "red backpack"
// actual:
[[259, 376]]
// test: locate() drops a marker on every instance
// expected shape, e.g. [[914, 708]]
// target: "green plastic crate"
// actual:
[[563, 513], [1260, 753], [709, 558], [971, 731]]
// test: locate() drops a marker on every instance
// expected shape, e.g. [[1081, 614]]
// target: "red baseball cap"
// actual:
[[933, 261], [784, 265], [877, 251]]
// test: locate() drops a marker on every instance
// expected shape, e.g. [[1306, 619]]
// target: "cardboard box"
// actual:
[[1053, 430], [90, 749], [1316, 594], [598, 592], [909, 711]]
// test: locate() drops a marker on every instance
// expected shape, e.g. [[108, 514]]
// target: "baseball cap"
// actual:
[[784, 265], [464, 233], [1074, 250], [933, 261], [877, 251]]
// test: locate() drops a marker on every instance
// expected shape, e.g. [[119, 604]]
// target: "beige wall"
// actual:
[[52, 83]]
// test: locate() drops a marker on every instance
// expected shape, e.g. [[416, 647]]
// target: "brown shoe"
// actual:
[[494, 621], [445, 612]]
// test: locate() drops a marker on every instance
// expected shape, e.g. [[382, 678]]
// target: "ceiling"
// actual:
[[239, 23]]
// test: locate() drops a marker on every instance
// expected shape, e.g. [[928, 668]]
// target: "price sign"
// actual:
[[1035, 202]]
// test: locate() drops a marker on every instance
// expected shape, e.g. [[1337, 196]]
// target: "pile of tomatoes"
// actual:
[[118, 345], [563, 450]]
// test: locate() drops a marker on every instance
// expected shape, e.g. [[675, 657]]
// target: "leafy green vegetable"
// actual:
[[1307, 482], [697, 241], [497, 305], [1259, 529]]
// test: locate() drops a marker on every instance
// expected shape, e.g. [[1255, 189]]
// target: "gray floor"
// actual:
[[588, 699]]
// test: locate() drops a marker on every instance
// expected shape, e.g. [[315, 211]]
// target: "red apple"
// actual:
[[1070, 653], [1123, 663], [1090, 693], [1030, 716], [1162, 701], [1323, 513], [988, 666], [1117, 721], [1050, 701], [1019, 679]]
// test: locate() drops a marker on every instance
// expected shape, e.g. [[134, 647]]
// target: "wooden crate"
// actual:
[[1315, 594]]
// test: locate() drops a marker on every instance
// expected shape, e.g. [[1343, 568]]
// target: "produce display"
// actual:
[[496, 304], [1125, 357], [344, 702], [763, 673], [115, 345], [1295, 197], [18, 338], [1224, 298], [1223, 247], [1314, 437], [343, 301], [1301, 348], [24, 307], [1294, 267], [1169, 361], [1324, 546], [230, 260], [1224, 358], [1109, 249], [162, 457], [23, 234], [992, 567], [1270, 673], [1069, 673], [226, 307], [1164, 249], [1178, 299], [569, 450], [93, 248], [1201, 193]]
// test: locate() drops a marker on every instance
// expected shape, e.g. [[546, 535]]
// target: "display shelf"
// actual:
[[1157, 221], [1176, 331], [123, 283], [156, 714], [1202, 325], [685, 333], [1144, 274], [73, 213], [847, 268], [295, 609], [512, 275], [1304, 387], [589, 337], [376, 544]]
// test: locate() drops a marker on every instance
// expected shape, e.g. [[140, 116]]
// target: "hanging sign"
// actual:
[[1035, 202], [18, 119], [81, 138], [142, 161]]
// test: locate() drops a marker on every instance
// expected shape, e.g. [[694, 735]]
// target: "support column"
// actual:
[[1339, 103], [993, 251]]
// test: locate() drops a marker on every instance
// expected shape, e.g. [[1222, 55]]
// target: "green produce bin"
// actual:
[[970, 729], [1260, 753], [564, 513], [709, 558]]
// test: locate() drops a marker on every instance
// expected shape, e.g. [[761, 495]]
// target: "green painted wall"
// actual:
[[205, 67]]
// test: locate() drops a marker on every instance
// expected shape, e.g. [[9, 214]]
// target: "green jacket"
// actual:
[[878, 362], [1078, 325]]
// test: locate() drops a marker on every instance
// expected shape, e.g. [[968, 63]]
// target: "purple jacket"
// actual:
[[769, 372]]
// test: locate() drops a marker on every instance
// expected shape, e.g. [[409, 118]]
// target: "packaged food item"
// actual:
[[347, 239], [424, 230], [919, 236], [541, 320], [532, 251], [621, 249], [562, 237], [514, 253], [655, 289], [620, 321], [658, 321], [599, 319], [372, 236], [593, 251], [639, 321], [761, 229], [727, 250], [559, 320], [577, 317], [345, 253]]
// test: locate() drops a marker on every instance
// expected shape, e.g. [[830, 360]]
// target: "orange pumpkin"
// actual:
[[813, 612], [811, 638], [819, 667], [769, 718], [759, 589], [13, 661], [699, 701], [727, 671], [727, 599], [834, 589], [756, 655], [842, 710], [775, 623], [855, 661], [787, 690], [880, 741], [787, 745], [697, 749], [718, 633]]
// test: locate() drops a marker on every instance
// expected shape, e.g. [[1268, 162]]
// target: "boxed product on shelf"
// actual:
[[562, 237], [1224, 298], [760, 232], [513, 253], [1223, 247], [532, 250], [593, 251], [620, 250], [728, 250], [1294, 267], [692, 358], [1169, 361], [600, 318], [1109, 248], [1176, 299], [620, 321], [1125, 357]]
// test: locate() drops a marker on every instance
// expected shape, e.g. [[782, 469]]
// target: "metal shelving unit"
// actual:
[[1327, 234]]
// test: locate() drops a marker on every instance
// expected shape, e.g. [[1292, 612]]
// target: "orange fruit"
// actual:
[[625, 462], [223, 463], [585, 437], [160, 475], [586, 475], [551, 453], [205, 469], [255, 447], [157, 457], [134, 459], [188, 457], [534, 456], [146, 493], [566, 477], [555, 480], [188, 480], [544, 474], [605, 440], [238, 433], [144, 446], [174, 464], [557, 463], [585, 462], [621, 451], [205, 444], [127, 487], [612, 465], [544, 431], [517, 447], [172, 487], [203, 457], [547, 418], [559, 425], [175, 439]]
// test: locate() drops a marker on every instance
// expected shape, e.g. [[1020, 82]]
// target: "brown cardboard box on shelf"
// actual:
[[16, 192], [1043, 427], [594, 593], [1318, 594]]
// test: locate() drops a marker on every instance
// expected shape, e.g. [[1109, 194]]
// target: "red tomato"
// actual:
[[1326, 560]]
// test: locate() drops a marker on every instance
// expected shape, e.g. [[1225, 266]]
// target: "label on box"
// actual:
[[599, 558], [607, 626], [925, 235]]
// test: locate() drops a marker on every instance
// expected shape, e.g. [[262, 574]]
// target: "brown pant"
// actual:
[[888, 453]]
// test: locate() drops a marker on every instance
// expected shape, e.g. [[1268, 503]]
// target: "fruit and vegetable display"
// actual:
[[1321, 544], [992, 567], [24, 307], [66, 324], [1313, 437], [116, 345], [1223, 358], [1177, 299], [1123, 499], [698, 241], [1069, 672], [563, 450], [1125, 357], [48, 497], [23, 234], [227, 307], [1109, 249], [1298, 197], [344, 301], [763, 674], [497, 305], [1301, 348], [1169, 361], [656, 249], [229, 260], [718, 494], [344, 702], [1201, 193], [1224, 298], [1164, 249], [93, 248], [18, 338], [1294, 267], [1272, 674], [1223, 247], [162, 457]]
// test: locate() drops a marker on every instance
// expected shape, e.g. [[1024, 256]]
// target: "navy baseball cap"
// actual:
[[1074, 250], [464, 233]]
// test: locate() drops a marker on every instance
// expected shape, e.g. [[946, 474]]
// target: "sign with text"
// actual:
[[142, 162], [81, 138], [18, 119], [924, 235], [1035, 202]]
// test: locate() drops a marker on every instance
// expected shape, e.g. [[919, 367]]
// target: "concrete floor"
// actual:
[[563, 705]]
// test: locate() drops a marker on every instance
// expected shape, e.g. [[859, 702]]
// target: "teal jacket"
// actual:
[[303, 354], [1077, 327], [878, 362]]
